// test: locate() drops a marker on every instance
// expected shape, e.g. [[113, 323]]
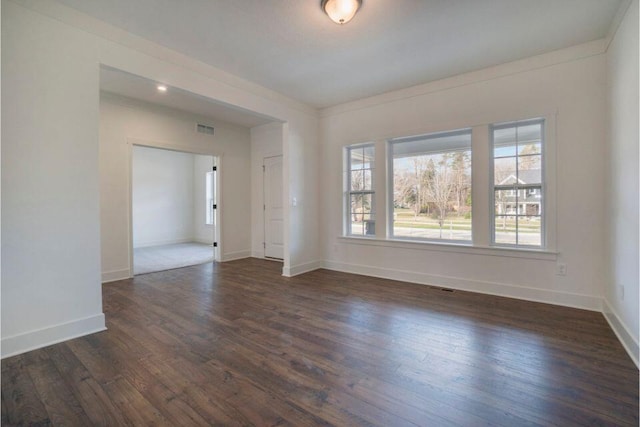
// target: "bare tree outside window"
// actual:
[[432, 187]]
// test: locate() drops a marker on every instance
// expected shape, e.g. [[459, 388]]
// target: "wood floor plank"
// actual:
[[21, 404], [237, 344], [61, 404], [135, 408], [95, 402]]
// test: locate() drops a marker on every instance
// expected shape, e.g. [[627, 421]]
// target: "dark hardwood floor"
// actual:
[[237, 344]]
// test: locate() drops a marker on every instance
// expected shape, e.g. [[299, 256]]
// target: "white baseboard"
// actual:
[[492, 288], [33, 340], [163, 242], [626, 338], [112, 276], [301, 268], [232, 256], [203, 241], [257, 254]]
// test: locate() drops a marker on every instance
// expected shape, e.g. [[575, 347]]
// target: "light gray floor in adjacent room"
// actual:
[[166, 257]]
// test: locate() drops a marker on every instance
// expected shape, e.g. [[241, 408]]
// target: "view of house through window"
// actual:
[[429, 184], [432, 186], [360, 194], [517, 183]]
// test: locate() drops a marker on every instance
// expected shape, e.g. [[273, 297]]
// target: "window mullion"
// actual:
[[482, 197]]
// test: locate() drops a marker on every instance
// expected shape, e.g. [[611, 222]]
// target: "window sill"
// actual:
[[459, 248]]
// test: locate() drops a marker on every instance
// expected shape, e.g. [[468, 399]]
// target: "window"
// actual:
[[427, 189], [360, 197], [518, 183], [209, 208], [431, 186]]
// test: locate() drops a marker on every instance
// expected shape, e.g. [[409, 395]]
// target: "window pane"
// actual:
[[357, 180], [209, 198], [504, 142], [529, 230], [506, 229], [505, 202], [529, 133], [529, 148], [532, 200], [367, 179], [360, 213], [504, 171], [369, 156], [530, 169], [356, 158], [432, 187]]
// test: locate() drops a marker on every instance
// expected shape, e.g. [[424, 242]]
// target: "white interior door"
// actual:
[[273, 209]]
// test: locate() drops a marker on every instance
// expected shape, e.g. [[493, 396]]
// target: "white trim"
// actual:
[[118, 36], [257, 254], [152, 243], [202, 241], [452, 247], [626, 338], [44, 337], [164, 145], [115, 275], [573, 53], [172, 146], [232, 256], [586, 302], [616, 21], [301, 268]]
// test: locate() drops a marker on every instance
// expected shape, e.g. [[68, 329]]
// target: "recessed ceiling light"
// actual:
[[162, 88]]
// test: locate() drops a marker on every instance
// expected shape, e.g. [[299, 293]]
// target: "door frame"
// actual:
[[164, 145]]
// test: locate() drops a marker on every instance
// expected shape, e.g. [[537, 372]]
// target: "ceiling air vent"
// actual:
[[204, 129]]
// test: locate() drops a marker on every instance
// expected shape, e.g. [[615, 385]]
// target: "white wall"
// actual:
[[202, 232], [163, 197], [124, 121], [621, 206], [50, 188], [569, 89], [50, 76], [266, 141]]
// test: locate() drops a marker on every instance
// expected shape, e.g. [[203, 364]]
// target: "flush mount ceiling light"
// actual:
[[162, 88], [341, 11]]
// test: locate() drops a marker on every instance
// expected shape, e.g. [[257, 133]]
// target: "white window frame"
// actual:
[[482, 209], [348, 192], [517, 187]]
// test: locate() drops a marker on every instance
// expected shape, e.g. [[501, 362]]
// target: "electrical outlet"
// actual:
[[561, 269], [621, 291]]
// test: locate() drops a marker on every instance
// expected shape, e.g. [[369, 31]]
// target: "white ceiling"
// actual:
[[137, 87], [291, 46]]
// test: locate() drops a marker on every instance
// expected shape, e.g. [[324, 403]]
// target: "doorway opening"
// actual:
[[174, 209]]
